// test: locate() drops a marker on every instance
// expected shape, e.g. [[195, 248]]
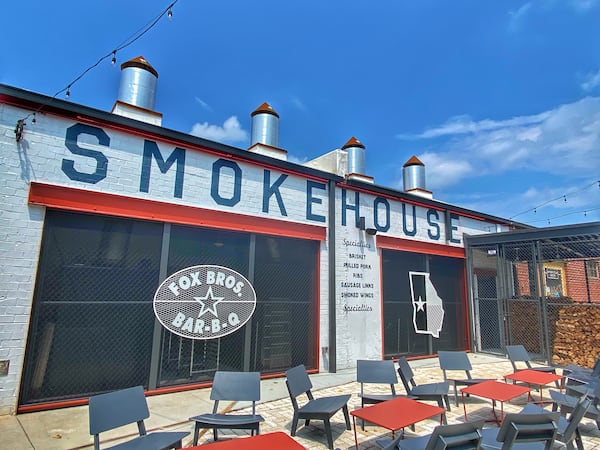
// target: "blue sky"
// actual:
[[499, 99]]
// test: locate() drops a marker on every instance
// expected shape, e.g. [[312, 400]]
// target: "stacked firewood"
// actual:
[[577, 336]]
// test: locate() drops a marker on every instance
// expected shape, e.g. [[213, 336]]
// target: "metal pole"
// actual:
[[470, 296], [248, 327], [543, 306], [158, 330], [332, 285]]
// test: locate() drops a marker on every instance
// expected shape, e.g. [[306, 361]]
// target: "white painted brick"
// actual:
[[21, 225]]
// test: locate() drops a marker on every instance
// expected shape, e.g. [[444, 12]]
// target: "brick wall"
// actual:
[[523, 279], [20, 237], [576, 283], [38, 158]]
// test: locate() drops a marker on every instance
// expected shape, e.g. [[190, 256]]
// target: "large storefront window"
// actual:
[[285, 322], [184, 360], [405, 280], [281, 332], [93, 322]]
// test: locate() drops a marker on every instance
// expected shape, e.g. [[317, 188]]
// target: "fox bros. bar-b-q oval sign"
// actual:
[[204, 302]]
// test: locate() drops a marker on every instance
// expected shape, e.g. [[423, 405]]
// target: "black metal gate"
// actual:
[[527, 286]]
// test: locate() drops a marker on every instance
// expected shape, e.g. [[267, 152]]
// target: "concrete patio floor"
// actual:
[[68, 428]]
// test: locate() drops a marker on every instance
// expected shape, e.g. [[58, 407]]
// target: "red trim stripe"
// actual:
[[406, 245], [73, 199]]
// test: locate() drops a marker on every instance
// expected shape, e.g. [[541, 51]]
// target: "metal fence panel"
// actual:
[[542, 293]]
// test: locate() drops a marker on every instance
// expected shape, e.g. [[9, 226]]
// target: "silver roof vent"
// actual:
[[138, 83], [137, 91], [355, 151], [264, 138], [265, 126], [356, 156], [413, 177]]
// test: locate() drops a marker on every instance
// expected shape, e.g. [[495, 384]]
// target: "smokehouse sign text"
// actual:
[[91, 166]]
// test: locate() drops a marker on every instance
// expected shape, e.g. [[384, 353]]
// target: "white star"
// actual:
[[209, 303], [420, 304]]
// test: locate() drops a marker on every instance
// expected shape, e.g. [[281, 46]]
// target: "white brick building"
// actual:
[[99, 208]]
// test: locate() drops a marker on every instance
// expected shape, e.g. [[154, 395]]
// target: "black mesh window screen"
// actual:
[[185, 360], [448, 277], [402, 318], [285, 322], [282, 330], [92, 322], [399, 335]]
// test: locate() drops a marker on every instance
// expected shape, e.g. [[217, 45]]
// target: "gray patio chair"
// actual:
[[231, 386], [574, 368], [463, 436], [567, 403], [457, 361], [518, 353], [577, 390], [376, 372], [568, 431], [523, 431], [428, 391], [582, 376], [298, 383], [123, 407]]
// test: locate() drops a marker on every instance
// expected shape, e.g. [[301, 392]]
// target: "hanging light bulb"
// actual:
[[170, 13], [113, 61], [34, 119], [68, 93]]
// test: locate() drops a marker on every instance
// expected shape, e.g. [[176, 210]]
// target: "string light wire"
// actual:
[[560, 197], [112, 54], [549, 219]]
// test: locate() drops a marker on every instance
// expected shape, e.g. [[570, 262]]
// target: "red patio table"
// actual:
[[396, 414], [276, 440], [496, 391], [534, 377]]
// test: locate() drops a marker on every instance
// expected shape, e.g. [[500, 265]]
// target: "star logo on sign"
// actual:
[[209, 303], [420, 304]]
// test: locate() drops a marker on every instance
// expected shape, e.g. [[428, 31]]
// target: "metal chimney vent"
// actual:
[[356, 156], [413, 174], [265, 126], [138, 83]]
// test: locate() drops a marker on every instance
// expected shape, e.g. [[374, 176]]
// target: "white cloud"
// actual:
[[231, 131], [296, 160], [591, 82], [466, 125], [558, 142], [517, 17], [202, 103], [444, 169], [583, 5], [298, 103], [540, 206]]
